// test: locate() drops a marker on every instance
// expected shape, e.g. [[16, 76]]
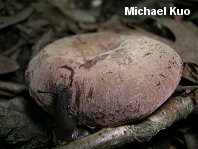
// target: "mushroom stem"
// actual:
[[175, 109]]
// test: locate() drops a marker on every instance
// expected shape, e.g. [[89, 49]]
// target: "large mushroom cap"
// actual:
[[115, 78]]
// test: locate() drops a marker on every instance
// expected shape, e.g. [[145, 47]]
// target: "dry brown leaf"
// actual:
[[37, 24], [42, 42], [6, 94], [7, 21], [79, 15], [7, 65], [15, 88], [190, 72], [186, 40], [18, 125], [60, 21], [191, 138]]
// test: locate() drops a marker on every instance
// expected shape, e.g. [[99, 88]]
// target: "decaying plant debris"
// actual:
[[28, 26], [175, 109]]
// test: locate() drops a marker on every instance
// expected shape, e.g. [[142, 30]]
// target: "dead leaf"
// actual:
[[59, 20], [191, 138], [186, 37], [13, 87], [186, 40], [6, 94], [7, 65], [42, 42], [20, 127], [13, 50], [11, 20], [190, 72], [37, 24], [79, 15]]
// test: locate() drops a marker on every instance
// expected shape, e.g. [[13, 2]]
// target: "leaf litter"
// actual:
[[32, 28]]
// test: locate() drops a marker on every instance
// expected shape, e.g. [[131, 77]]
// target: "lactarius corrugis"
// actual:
[[102, 79]]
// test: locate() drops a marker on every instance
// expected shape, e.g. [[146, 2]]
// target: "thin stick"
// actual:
[[174, 109]]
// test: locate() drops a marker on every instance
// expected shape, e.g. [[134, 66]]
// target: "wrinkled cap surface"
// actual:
[[115, 78]]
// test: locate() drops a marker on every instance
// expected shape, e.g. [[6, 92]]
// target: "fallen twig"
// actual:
[[13, 87], [174, 109]]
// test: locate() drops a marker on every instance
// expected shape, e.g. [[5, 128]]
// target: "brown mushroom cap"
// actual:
[[115, 78]]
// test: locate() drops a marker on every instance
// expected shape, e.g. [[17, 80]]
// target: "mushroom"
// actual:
[[102, 79]]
